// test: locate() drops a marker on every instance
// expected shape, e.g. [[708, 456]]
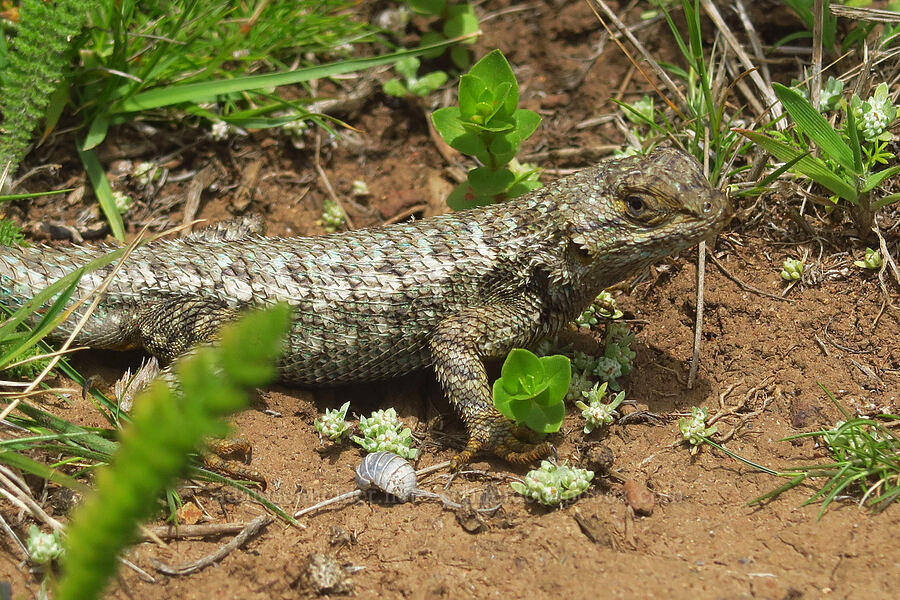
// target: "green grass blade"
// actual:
[[853, 134], [740, 458], [10, 197], [797, 480], [39, 299], [207, 91], [838, 405], [28, 465], [810, 166], [886, 200], [200, 473], [103, 191], [51, 422], [875, 179], [48, 322], [813, 124]]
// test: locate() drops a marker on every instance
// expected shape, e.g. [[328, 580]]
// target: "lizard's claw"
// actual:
[[215, 457], [517, 445]]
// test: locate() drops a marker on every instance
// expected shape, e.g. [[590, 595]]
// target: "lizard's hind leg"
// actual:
[[169, 328]]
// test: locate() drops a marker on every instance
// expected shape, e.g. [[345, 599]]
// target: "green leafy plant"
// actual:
[[707, 130], [411, 84], [531, 389], [333, 216], [488, 125], [603, 307], [10, 233], [383, 431], [871, 260], [865, 459], [596, 412], [155, 447], [451, 20], [617, 360], [552, 484], [332, 424], [849, 155], [140, 59], [37, 60], [792, 269], [43, 547]]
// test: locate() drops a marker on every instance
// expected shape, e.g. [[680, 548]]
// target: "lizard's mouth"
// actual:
[[724, 216]]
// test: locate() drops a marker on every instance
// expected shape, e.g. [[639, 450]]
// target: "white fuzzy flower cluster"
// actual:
[[875, 115], [332, 424], [598, 413], [333, 216], [43, 547], [551, 484], [122, 202], [383, 431], [219, 131], [694, 429]]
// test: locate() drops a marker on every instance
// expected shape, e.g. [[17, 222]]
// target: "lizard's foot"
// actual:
[[217, 457], [517, 445]]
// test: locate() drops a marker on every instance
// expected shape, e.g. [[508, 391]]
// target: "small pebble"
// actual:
[[639, 498]]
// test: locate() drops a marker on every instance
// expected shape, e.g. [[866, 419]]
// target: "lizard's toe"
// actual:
[[519, 452]]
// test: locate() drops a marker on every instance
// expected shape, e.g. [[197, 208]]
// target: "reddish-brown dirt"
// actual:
[[762, 358]]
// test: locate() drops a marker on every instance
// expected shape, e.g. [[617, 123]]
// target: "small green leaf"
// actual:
[[522, 372], [429, 83], [814, 125], [393, 87], [407, 67], [428, 7], [470, 90], [558, 371], [97, 131], [875, 179], [495, 70], [809, 166], [527, 121], [885, 201], [461, 57], [544, 419], [461, 19], [488, 182], [522, 187]]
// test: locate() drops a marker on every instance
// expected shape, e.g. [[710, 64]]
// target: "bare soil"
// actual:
[[762, 361]]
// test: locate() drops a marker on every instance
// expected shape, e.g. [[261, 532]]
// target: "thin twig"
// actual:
[[765, 90], [698, 321], [327, 184], [744, 286], [657, 70], [171, 532], [15, 538], [239, 540], [24, 500]]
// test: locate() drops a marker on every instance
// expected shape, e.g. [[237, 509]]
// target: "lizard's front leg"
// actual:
[[458, 346]]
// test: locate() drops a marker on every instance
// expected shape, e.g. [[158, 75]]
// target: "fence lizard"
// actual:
[[447, 292]]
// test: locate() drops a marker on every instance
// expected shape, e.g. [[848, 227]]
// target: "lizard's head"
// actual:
[[631, 211]]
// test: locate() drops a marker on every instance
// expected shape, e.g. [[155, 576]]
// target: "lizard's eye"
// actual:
[[636, 206]]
